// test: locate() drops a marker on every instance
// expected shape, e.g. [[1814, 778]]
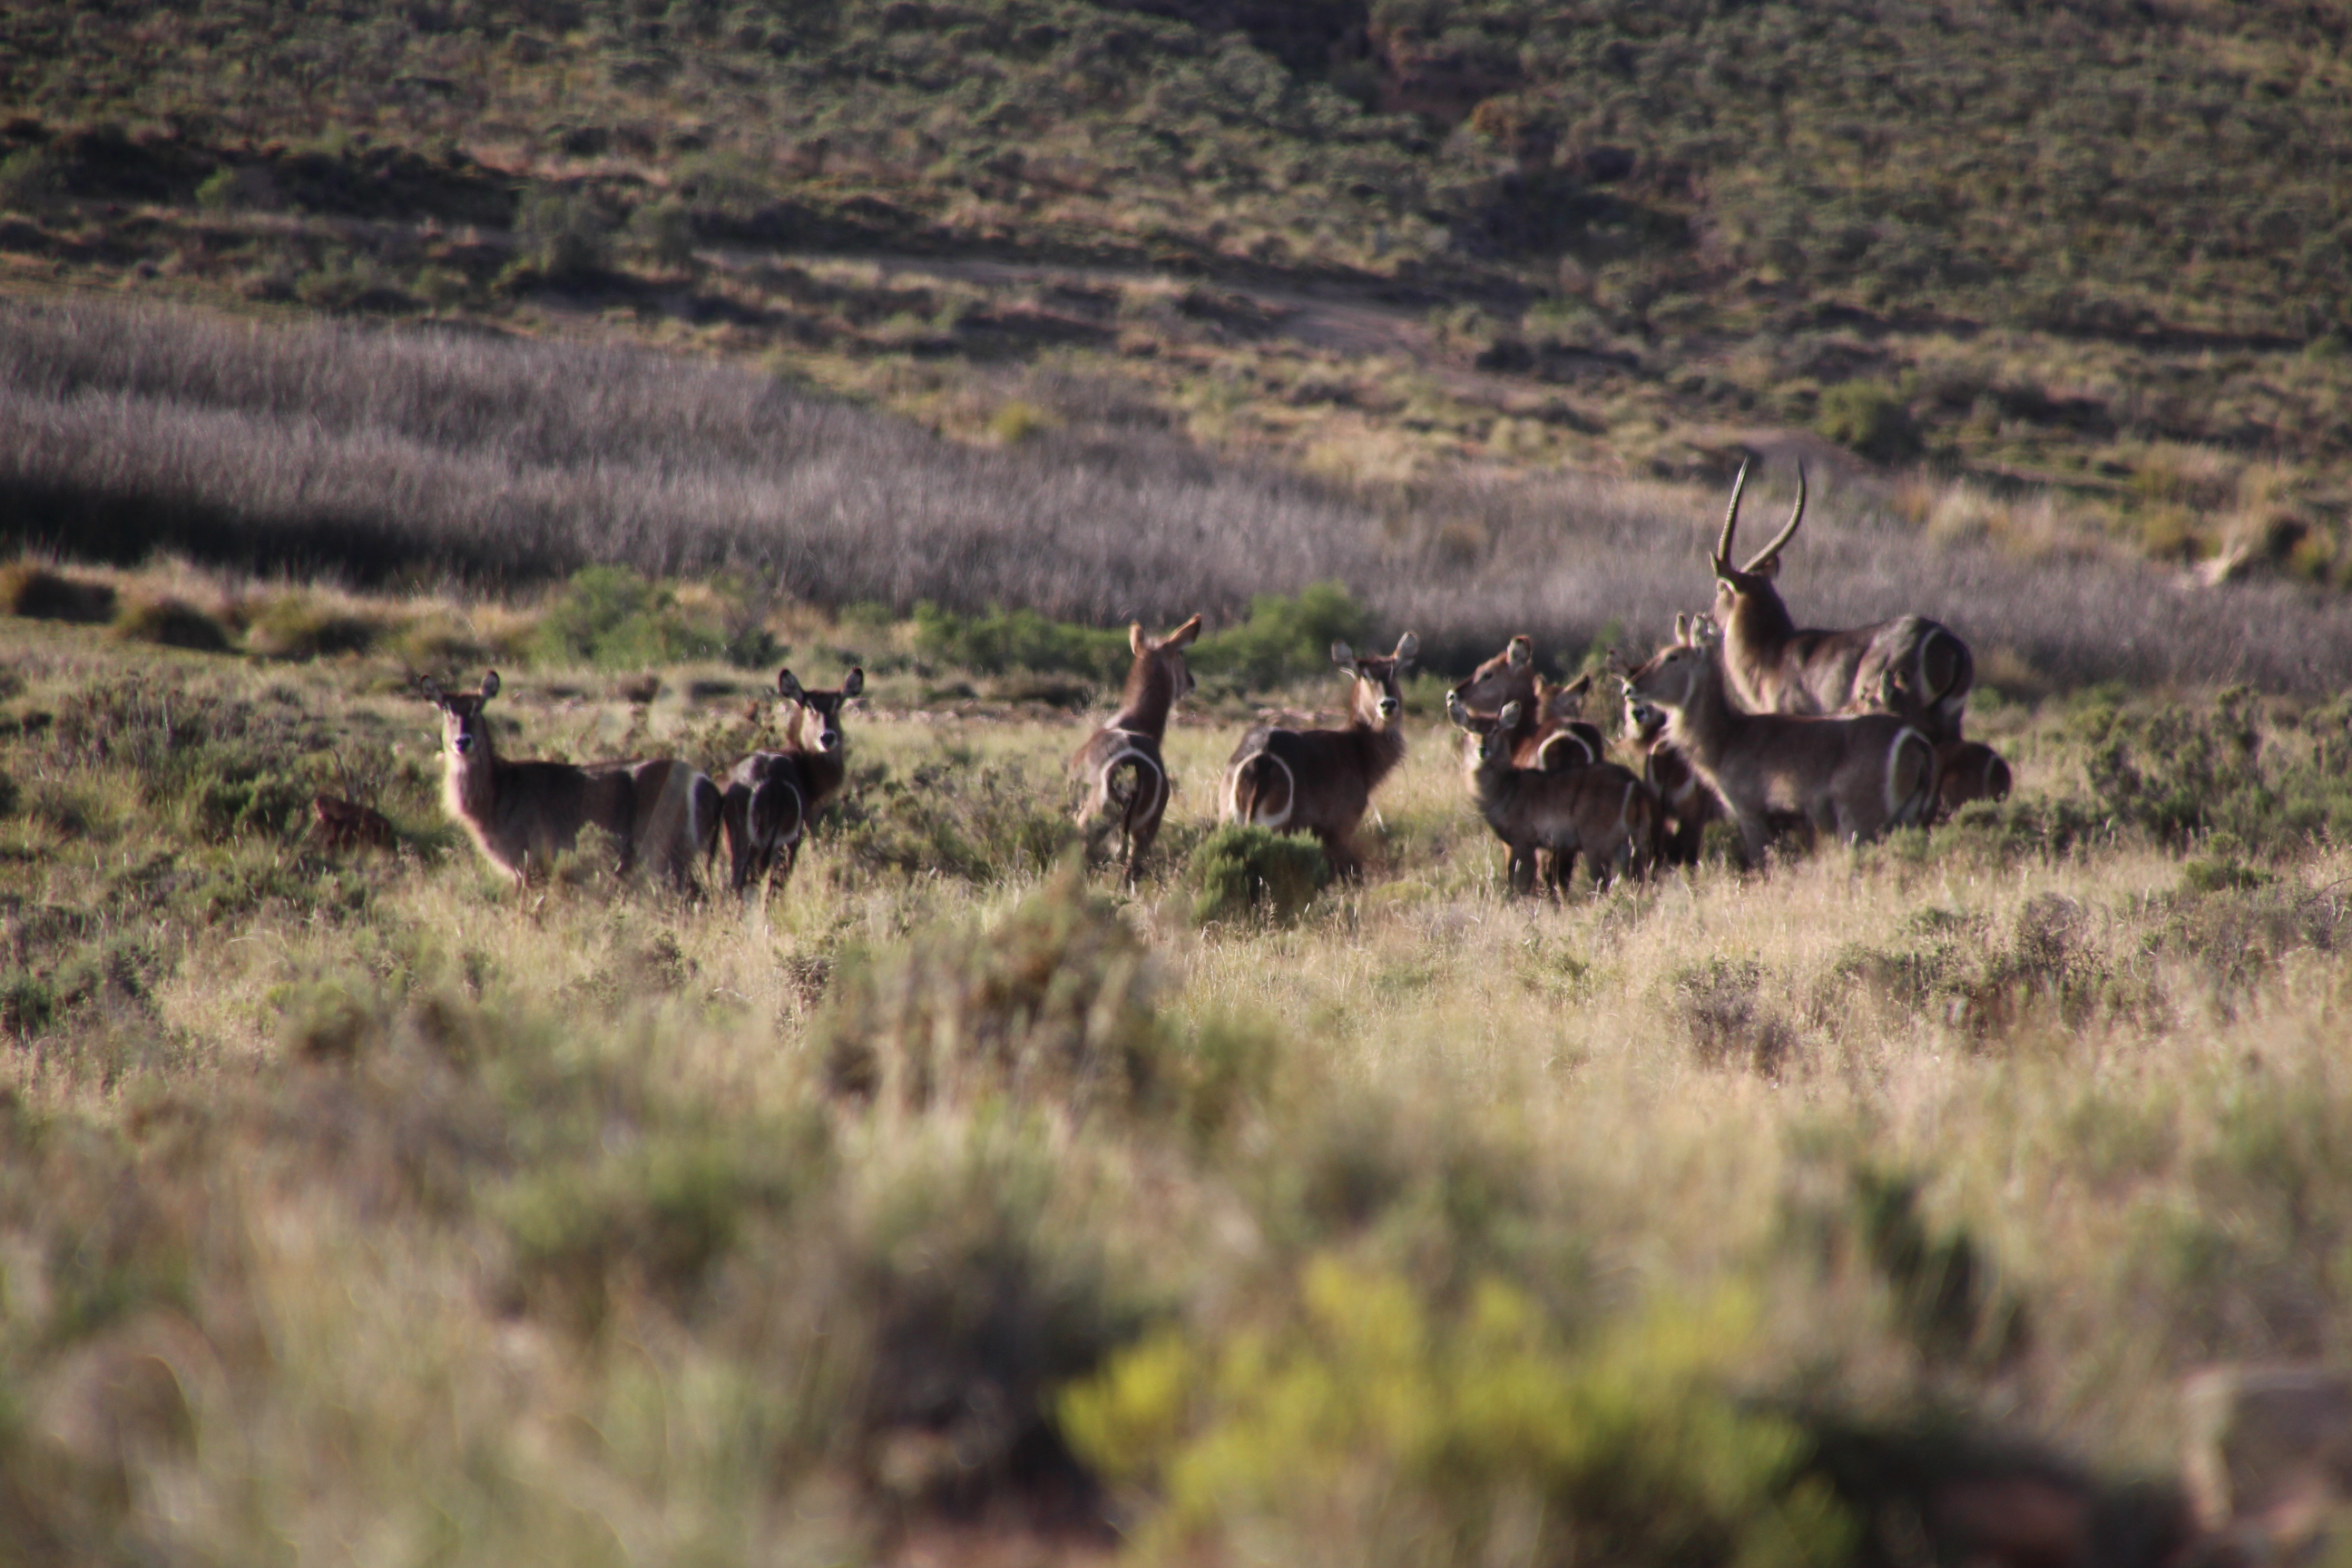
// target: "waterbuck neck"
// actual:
[[1758, 616], [470, 779], [1704, 725], [1151, 692]]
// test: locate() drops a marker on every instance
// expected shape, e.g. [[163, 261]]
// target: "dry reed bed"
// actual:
[[375, 454]]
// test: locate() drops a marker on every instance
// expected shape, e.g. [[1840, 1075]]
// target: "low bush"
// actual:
[[33, 591], [1051, 1007], [1284, 637], [1367, 1414], [954, 816], [297, 625], [1003, 640], [613, 617], [1242, 873], [1869, 420], [173, 622]]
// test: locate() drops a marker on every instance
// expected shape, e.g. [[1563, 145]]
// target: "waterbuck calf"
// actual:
[[1686, 804], [1914, 667], [1119, 767], [521, 816], [1322, 781], [1967, 771], [770, 797], [1853, 777], [1601, 810], [1550, 733]]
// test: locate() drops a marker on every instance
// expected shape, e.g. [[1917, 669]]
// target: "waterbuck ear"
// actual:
[[1455, 711], [1137, 643], [1407, 648], [1682, 628], [490, 686], [1521, 653], [429, 689], [1508, 718], [855, 683], [1577, 688], [786, 687], [1183, 636], [1768, 568], [1342, 655]]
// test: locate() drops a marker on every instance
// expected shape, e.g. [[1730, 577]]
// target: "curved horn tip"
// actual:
[[1731, 512]]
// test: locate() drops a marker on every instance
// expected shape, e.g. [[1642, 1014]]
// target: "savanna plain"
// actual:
[[954, 1201]]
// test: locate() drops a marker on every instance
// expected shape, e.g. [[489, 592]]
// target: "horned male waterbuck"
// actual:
[[522, 815], [1599, 810], [1119, 768], [1550, 733], [1916, 669], [1322, 781], [1853, 777], [770, 797]]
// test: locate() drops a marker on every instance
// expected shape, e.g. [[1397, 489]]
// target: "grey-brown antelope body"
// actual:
[[1599, 811], [1322, 781], [521, 816], [1120, 766], [1854, 777], [770, 797], [1911, 667]]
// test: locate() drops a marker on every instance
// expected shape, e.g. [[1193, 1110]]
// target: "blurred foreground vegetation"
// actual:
[[949, 1198]]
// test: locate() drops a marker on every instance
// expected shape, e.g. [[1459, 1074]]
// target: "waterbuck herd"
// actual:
[[1743, 716]]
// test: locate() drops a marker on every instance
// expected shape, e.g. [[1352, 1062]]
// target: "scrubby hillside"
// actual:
[[2098, 249]]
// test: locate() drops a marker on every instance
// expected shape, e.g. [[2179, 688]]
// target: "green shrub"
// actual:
[[174, 622], [1242, 873], [663, 231], [1002, 640], [614, 618], [1869, 420], [1285, 638], [32, 180], [565, 237], [1368, 1415]]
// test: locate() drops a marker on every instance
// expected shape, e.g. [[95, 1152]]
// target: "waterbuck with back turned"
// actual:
[[521, 816], [770, 797], [1601, 810], [1322, 781], [1853, 777], [1121, 767], [1911, 667]]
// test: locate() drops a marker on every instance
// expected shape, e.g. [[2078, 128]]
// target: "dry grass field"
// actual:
[[949, 1205]]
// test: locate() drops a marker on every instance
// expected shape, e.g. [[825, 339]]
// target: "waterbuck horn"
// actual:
[[1780, 539], [1722, 557]]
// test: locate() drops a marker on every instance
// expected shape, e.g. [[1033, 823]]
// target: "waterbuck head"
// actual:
[[465, 733], [1375, 699], [1509, 674], [814, 721], [1748, 590], [1485, 735], [1677, 673], [1159, 673]]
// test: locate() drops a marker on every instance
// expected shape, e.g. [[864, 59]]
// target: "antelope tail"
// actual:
[[1910, 804]]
